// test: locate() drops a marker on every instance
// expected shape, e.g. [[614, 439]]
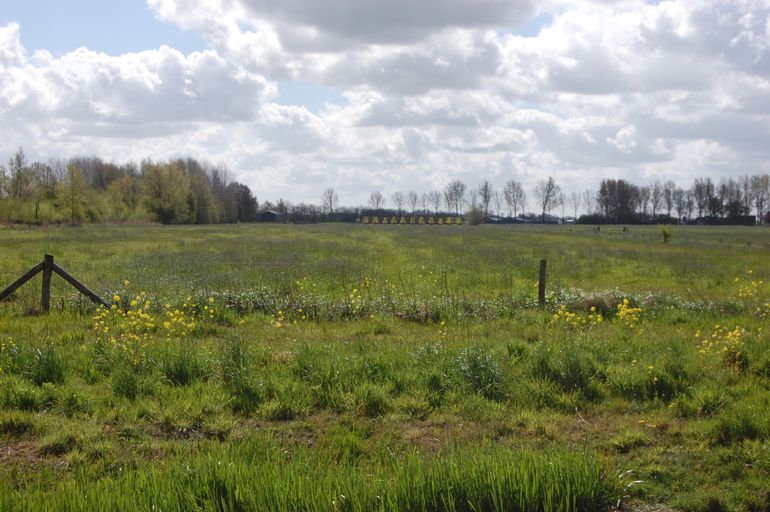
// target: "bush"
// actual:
[[474, 217], [665, 232]]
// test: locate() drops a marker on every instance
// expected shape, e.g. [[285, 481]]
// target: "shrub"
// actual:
[[474, 217], [665, 232]]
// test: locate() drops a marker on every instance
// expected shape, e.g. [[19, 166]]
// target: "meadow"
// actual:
[[351, 367]]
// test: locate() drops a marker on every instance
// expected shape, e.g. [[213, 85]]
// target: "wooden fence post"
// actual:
[[47, 272], [48, 267], [541, 285]]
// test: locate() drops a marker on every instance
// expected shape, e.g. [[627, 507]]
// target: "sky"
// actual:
[[295, 96]]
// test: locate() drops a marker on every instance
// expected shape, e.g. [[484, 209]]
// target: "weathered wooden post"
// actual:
[[48, 267], [47, 272], [541, 285]]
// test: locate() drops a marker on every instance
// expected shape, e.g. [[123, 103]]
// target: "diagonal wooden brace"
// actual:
[[23, 279], [48, 267]]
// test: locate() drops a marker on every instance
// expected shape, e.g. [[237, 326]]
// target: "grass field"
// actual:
[[343, 367]]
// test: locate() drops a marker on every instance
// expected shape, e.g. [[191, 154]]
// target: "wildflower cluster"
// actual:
[[304, 285], [763, 311], [628, 314], [8, 352], [278, 320], [7, 346], [178, 323], [651, 374], [727, 344], [126, 326], [132, 323], [355, 302], [575, 321], [748, 290]]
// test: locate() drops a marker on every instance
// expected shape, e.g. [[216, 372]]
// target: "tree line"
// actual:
[[87, 189], [730, 201], [188, 191]]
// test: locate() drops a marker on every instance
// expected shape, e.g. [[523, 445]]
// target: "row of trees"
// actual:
[[616, 201], [187, 191], [729, 200], [455, 198], [182, 191]]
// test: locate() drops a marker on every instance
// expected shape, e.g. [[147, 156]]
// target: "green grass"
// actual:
[[402, 367], [260, 475]]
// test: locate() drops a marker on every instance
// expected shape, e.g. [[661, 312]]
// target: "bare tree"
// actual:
[[589, 201], [497, 201], [434, 199], [702, 192], [515, 197], [485, 196], [398, 201], [643, 197], [413, 199], [574, 202], [454, 195], [679, 202], [668, 196], [547, 195], [425, 201], [656, 197], [760, 192], [473, 198], [689, 203], [376, 200], [329, 200]]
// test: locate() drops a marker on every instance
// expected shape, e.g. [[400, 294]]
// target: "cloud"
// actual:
[[11, 51], [433, 91], [147, 88], [308, 25]]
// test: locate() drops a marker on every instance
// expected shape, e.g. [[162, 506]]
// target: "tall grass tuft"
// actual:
[[260, 476], [182, 364], [46, 366], [239, 373], [481, 372]]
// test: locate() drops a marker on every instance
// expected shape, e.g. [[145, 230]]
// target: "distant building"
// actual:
[[269, 216]]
